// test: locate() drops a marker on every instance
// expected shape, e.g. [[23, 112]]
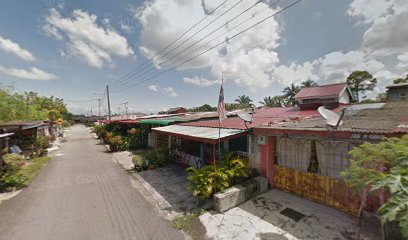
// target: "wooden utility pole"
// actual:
[[109, 110]]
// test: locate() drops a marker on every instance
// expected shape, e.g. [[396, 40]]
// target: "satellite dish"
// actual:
[[133, 117], [246, 117], [332, 119]]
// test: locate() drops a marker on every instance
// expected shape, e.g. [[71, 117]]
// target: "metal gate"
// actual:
[[322, 189]]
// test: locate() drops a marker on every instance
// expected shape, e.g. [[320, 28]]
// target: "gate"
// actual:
[[315, 187]]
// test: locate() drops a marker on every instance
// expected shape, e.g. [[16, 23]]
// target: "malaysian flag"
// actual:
[[221, 105]]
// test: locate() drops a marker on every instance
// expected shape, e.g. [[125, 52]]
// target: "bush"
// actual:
[[115, 142], [98, 129], [155, 158], [229, 172], [135, 139], [139, 162], [15, 176]]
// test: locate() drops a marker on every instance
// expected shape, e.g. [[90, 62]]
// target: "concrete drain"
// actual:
[[293, 214]]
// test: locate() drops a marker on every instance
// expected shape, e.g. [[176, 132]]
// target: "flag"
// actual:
[[221, 105]]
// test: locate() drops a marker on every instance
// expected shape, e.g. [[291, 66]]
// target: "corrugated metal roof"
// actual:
[[390, 117], [261, 116], [321, 91], [205, 134]]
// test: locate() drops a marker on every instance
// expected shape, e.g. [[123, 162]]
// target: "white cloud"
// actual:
[[170, 92], [33, 73], [9, 46], [295, 73], [95, 44], [247, 59], [403, 64], [126, 27], [367, 11], [154, 88], [199, 81]]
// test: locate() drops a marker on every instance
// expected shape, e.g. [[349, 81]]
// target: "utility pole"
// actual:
[[99, 107], [109, 110], [126, 108]]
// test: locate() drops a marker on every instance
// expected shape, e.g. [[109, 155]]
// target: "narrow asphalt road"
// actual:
[[82, 194]]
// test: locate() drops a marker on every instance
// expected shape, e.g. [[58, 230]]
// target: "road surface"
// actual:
[[82, 194]]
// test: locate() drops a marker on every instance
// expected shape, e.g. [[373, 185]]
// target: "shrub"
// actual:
[[98, 129], [229, 172], [135, 139], [115, 142], [139, 162]]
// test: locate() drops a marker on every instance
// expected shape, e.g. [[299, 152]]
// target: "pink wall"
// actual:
[[267, 155]]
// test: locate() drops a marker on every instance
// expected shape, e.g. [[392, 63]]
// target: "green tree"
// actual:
[[309, 83], [401, 80], [275, 101], [244, 99], [289, 93], [383, 166], [360, 82]]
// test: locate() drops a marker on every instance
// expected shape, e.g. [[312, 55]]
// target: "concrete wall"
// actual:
[[253, 152], [236, 195]]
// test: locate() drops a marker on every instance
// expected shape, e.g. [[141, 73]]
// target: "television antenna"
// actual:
[[333, 120], [246, 117]]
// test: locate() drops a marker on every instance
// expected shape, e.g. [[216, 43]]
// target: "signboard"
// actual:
[[59, 121]]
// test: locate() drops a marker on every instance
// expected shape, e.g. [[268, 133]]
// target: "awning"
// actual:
[[201, 134], [164, 122]]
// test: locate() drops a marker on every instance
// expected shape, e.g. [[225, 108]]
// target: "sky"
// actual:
[[73, 49]]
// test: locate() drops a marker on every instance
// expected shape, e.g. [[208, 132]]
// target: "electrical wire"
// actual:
[[213, 47]]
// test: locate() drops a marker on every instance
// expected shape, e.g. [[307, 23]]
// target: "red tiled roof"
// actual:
[[321, 91], [261, 116]]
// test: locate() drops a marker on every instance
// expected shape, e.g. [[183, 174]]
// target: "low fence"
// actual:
[[322, 189]]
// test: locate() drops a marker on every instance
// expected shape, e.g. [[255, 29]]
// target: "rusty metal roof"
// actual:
[[390, 117], [321, 91]]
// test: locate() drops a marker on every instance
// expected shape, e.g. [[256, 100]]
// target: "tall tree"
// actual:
[[289, 93], [401, 80], [384, 166], [244, 99], [275, 101], [360, 82], [309, 83]]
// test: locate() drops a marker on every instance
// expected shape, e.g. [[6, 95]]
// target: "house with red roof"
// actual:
[[307, 157], [199, 140], [330, 96]]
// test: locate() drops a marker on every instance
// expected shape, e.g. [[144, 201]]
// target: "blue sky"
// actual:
[[71, 49]]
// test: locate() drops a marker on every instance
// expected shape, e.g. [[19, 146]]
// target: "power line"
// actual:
[[174, 41], [196, 42], [213, 47]]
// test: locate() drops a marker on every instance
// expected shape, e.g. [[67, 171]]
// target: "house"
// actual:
[[198, 139], [330, 96], [27, 133], [305, 157], [397, 92]]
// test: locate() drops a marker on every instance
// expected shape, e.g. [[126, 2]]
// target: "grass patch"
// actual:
[[18, 173], [184, 221]]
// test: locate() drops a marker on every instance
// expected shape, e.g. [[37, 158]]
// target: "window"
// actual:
[[403, 95]]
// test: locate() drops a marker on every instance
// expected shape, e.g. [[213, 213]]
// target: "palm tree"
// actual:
[[309, 83], [275, 101], [244, 100], [290, 92]]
